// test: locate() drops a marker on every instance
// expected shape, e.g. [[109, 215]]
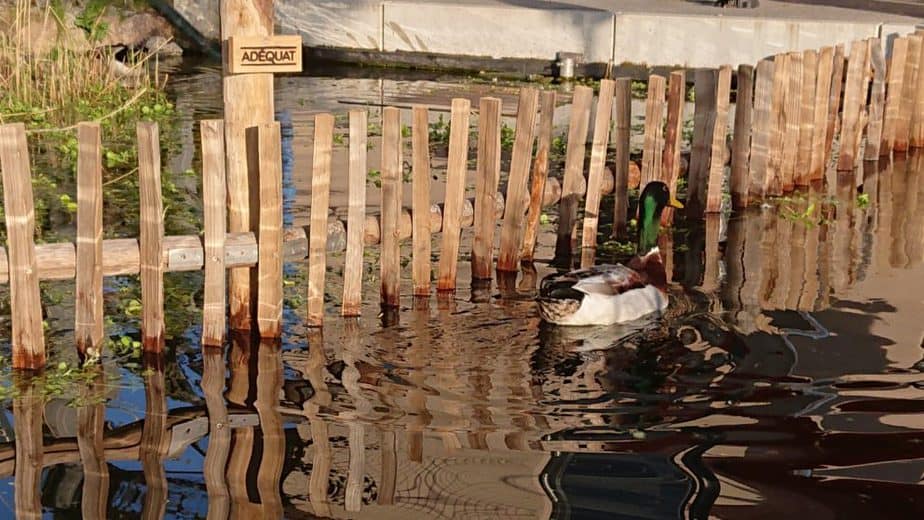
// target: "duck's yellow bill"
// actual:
[[675, 203]]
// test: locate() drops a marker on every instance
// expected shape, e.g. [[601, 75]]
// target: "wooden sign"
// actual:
[[255, 54]]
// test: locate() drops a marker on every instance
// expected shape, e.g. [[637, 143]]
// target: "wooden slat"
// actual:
[[850, 131], [917, 116], [877, 100], [320, 204], [151, 237], [155, 442], [676, 96], [27, 428], [820, 115], [420, 210], [761, 129], [573, 178], [540, 174], [25, 303], [602, 121], [894, 88], [623, 115], [654, 131], [356, 184], [910, 87], [773, 182], [511, 238], [741, 140], [486, 180], [703, 124], [248, 101], [792, 116], [391, 207], [269, 238], [719, 130], [455, 194], [214, 194], [834, 102], [88, 323], [807, 117]]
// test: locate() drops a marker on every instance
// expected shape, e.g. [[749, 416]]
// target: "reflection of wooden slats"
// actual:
[[269, 385], [213, 469], [389, 452], [27, 426], [751, 264], [734, 261], [354, 486], [711, 270], [783, 256], [914, 243], [90, 426], [768, 254], [900, 181], [841, 261], [882, 240], [810, 283], [797, 259], [154, 444]]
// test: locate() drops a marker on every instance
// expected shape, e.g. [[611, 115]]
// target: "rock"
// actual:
[[162, 47], [134, 30], [43, 34]]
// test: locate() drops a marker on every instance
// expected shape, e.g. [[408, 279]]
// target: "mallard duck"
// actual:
[[607, 294]]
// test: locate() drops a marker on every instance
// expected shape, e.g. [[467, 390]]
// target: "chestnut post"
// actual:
[[670, 163], [623, 127], [654, 131], [391, 207], [908, 94], [269, 236], [602, 120], [320, 203], [792, 116], [455, 194], [540, 174], [353, 261], [486, 180], [773, 181], [248, 101], [741, 142], [719, 130], [834, 102], [420, 208], [877, 101], [894, 88], [853, 102], [214, 194], [807, 117], [703, 123], [25, 302], [88, 322], [151, 238], [573, 177], [917, 116], [761, 129], [508, 259], [822, 98]]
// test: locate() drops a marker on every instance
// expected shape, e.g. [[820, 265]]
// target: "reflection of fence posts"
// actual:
[[28, 409]]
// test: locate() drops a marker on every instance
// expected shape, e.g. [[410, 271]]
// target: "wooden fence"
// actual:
[[788, 110]]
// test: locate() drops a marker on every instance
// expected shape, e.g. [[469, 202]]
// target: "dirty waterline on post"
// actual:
[[391, 207]]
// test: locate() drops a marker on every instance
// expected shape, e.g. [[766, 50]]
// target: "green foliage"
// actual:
[[375, 177], [639, 89], [439, 132], [90, 20], [863, 201], [508, 136]]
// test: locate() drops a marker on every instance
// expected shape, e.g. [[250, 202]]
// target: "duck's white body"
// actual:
[[603, 309]]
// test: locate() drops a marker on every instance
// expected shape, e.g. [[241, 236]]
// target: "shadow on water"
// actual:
[[785, 379]]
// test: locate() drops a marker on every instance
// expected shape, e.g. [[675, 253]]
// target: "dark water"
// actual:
[[785, 380]]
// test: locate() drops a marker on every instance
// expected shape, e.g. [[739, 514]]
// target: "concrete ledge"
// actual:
[[498, 31]]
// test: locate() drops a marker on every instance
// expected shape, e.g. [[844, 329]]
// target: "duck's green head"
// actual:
[[655, 197]]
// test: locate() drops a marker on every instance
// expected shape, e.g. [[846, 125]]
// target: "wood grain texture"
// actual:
[[910, 87], [269, 387], [151, 237], [391, 207], [761, 130], [420, 209], [741, 140], [703, 125], [88, 322], [834, 102], [353, 262], [670, 162], [792, 117], [540, 174], [917, 115], [320, 205], [622, 129], [270, 235], [877, 100], [248, 101], [155, 441], [773, 182], [719, 131], [511, 238], [455, 194], [602, 121], [90, 428], [853, 104], [654, 130], [807, 117], [214, 194], [25, 302], [216, 457], [894, 88], [822, 98], [573, 178], [487, 176]]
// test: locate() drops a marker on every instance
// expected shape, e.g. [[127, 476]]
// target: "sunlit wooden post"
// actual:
[[623, 115], [269, 238], [602, 121], [719, 130], [320, 203], [422, 222], [487, 178], [540, 174], [353, 262], [834, 102], [894, 87], [670, 161], [773, 180], [151, 239], [853, 100], [214, 193], [824, 77], [455, 194], [807, 117], [573, 177], [792, 117], [908, 94], [761, 129], [654, 131], [508, 258], [741, 140], [391, 207], [88, 322], [703, 125]]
